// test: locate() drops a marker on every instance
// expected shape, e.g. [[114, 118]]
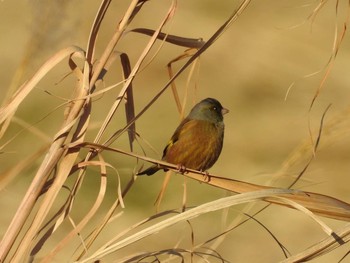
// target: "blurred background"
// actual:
[[266, 68]]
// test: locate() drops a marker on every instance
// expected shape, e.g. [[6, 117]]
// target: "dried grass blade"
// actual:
[[307, 212], [59, 217], [112, 43], [176, 40], [8, 110], [207, 44], [336, 46], [100, 197], [95, 28], [320, 248], [162, 190], [55, 153], [186, 54], [132, 76], [285, 251], [314, 149], [106, 219], [137, 9], [173, 88], [187, 215], [118, 236], [320, 204], [129, 104]]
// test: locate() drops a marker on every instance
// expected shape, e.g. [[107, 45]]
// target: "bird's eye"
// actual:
[[214, 108]]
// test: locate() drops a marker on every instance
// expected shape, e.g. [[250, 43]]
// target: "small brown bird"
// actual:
[[197, 142]]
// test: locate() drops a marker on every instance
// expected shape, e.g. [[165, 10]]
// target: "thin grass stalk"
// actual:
[[112, 43], [56, 150], [200, 51], [126, 85], [63, 169], [187, 215], [322, 247], [320, 204], [54, 154], [100, 197]]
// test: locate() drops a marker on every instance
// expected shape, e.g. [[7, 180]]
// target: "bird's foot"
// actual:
[[206, 176], [181, 168]]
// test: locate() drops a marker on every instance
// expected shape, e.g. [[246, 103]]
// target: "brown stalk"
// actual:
[[320, 204], [56, 151]]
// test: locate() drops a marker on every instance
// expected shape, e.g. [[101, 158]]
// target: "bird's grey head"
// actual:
[[208, 109]]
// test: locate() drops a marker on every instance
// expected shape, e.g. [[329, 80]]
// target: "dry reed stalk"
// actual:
[[25, 236]]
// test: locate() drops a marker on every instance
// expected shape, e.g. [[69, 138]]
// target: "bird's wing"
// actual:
[[175, 136]]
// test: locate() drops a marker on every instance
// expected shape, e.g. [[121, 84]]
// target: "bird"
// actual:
[[197, 142]]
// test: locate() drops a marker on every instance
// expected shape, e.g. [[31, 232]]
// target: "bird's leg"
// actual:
[[181, 168], [206, 176]]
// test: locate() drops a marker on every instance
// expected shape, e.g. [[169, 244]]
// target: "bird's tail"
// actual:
[[149, 171]]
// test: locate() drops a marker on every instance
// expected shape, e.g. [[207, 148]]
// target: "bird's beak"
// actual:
[[224, 111]]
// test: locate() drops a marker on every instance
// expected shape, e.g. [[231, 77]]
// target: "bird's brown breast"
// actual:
[[197, 145]]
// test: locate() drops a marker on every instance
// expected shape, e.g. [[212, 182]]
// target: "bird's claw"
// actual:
[[181, 168], [206, 176]]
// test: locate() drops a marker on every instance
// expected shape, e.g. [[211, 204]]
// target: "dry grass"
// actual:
[[76, 207]]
